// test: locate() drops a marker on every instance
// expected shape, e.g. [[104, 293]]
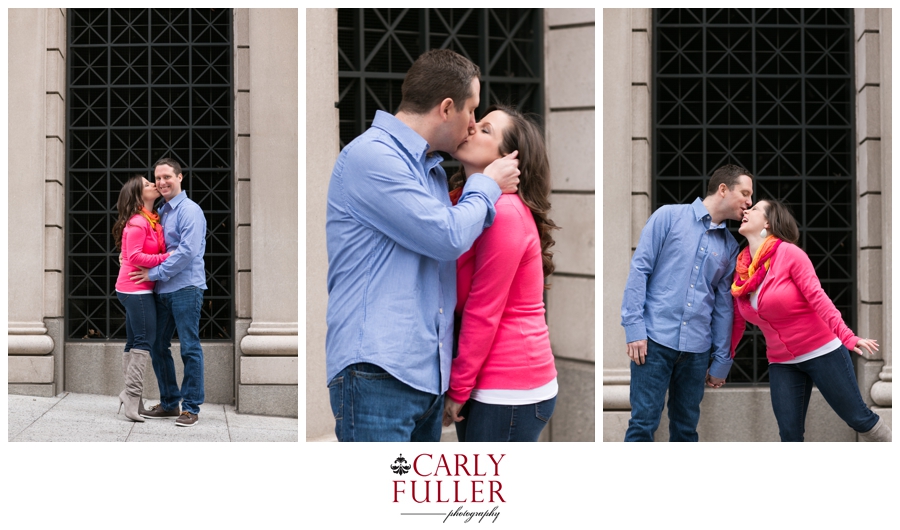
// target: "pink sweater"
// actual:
[[794, 313], [140, 246], [504, 342]]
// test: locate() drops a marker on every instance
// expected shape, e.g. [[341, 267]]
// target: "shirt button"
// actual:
[[441, 310], [689, 304], [696, 267], [692, 286], [701, 249], [684, 323]]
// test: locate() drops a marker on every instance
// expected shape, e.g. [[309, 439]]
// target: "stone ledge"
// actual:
[[268, 400]]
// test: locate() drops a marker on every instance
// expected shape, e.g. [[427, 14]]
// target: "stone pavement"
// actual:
[[72, 417]]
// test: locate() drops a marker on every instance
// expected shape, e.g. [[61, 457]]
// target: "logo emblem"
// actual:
[[400, 465]]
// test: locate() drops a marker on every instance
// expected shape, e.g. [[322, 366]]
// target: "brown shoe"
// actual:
[[157, 412], [187, 419]]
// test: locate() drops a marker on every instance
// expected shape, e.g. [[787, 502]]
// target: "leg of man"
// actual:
[[371, 405], [790, 389], [504, 423], [186, 304], [834, 376], [161, 355], [649, 382], [685, 394]]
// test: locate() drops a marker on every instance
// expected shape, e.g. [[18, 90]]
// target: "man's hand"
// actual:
[[505, 172], [714, 382], [141, 275], [637, 350], [451, 412]]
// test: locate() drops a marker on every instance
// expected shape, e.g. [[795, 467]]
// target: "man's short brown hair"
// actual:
[[168, 162], [435, 76], [728, 175]]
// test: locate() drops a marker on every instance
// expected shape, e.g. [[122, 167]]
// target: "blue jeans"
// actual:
[[371, 405], [179, 310], [140, 320], [683, 374], [791, 387], [503, 423]]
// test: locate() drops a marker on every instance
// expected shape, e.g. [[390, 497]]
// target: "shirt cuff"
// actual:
[[720, 368], [153, 274], [634, 332]]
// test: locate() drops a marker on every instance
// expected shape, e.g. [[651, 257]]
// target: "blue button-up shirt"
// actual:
[[678, 289], [184, 227], [393, 240]]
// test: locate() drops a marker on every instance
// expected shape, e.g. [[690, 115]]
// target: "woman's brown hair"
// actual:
[[781, 222], [131, 200], [525, 136]]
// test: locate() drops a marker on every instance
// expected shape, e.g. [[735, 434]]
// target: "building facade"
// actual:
[[101, 94], [800, 97], [553, 78]]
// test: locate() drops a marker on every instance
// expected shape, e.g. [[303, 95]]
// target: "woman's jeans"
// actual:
[[371, 405], [503, 423], [140, 320], [832, 373], [683, 376], [179, 310]]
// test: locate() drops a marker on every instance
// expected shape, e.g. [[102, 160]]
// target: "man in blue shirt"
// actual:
[[677, 310], [393, 239], [180, 282]]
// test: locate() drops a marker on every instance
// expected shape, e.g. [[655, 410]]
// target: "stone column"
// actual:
[[626, 190], [873, 125], [268, 366], [570, 110], [322, 148], [35, 128]]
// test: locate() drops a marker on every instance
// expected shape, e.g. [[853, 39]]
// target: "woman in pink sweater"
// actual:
[[807, 342], [139, 235], [503, 378]]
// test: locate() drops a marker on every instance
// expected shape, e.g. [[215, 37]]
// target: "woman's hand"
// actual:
[[871, 345], [451, 411]]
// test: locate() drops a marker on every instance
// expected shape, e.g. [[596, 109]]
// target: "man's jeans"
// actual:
[[683, 374], [483, 422], [140, 320], [791, 387], [371, 405], [179, 310]]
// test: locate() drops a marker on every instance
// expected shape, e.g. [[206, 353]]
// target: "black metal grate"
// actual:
[[377, 46], [146, 84], [770, 90]]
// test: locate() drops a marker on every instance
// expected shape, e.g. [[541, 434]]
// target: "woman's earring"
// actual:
[[763, 234]]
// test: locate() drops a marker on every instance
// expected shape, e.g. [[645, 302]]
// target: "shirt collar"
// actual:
[[172, 204], [414, 144], [702, 214]]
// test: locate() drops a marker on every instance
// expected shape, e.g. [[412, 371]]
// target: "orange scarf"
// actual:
[[749, 274], [153, 219], [455, 195]]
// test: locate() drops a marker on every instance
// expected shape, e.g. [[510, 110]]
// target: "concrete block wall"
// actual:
[[872, 35], [570, 124], [37, 66], [267, 161]]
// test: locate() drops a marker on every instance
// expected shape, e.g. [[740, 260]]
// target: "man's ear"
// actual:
[[723, 189], [445, 106]]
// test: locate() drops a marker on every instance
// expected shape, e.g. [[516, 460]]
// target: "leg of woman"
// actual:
[[126, 354], [486, 423], [790, 389], [834, 376], [138, 309]]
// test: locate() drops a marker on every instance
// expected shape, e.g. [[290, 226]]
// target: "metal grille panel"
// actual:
[[377, 46], [146, 84], [770, 90]]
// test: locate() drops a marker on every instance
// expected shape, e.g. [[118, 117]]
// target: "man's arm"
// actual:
[[721, 324], [380, 190], [642, 265], [193, 231]]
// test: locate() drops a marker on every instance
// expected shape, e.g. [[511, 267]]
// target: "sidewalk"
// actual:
[[72, 417]]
